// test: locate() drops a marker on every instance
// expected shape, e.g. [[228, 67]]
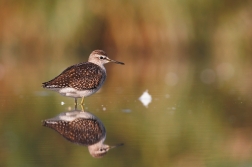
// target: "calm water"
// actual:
[[180, 127]]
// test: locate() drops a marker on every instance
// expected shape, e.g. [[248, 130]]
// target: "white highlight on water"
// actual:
[[145, 98]]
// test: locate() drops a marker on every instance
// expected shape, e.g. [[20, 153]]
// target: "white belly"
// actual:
[[71, 92]]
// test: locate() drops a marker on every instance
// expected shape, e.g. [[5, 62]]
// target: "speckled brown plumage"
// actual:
[[81, 131], [83, 76]]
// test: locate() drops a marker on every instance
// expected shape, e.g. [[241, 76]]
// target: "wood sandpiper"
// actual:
[[83, 79], [82, 128]]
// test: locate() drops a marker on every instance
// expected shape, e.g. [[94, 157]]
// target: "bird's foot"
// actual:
[[82, 104], [82, 108]]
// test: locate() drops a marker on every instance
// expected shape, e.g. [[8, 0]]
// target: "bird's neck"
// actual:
[[95, 147], [98, 63]]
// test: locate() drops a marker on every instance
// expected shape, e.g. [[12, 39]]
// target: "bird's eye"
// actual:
[[101, 57], [100, 149]]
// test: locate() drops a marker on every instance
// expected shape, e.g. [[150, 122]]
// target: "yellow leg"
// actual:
[[82, 104], [82, 108], [82, 101]]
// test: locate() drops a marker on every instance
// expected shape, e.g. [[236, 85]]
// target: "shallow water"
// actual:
[[179, 127]]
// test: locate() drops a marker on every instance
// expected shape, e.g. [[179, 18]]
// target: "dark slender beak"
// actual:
[[117, 62], [121, 144]]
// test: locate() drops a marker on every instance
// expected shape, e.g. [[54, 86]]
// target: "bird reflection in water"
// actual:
[[82, 128]]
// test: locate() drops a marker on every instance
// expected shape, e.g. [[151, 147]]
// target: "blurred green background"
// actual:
[[194, 58]]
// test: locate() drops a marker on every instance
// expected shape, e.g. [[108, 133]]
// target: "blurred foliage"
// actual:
[[193, 56]]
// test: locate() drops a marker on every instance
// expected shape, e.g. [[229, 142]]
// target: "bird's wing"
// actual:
[[81, 76], [87, 131], [81, 131]]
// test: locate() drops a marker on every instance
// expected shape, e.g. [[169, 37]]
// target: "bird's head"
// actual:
[[100, 57], [100, 150]]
